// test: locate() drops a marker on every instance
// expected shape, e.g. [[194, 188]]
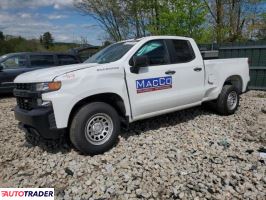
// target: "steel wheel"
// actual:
[[232, 100], [99, 128]]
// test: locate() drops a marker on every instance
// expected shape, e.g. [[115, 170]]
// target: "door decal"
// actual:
[[153, 84]]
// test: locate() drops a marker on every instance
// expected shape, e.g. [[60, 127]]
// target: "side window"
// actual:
[[42, 60], [15, 62], [183, 51], [66, 59], [156, 52]]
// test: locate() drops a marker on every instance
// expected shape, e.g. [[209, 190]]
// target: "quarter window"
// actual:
[[15, 62], [66, 60], [183, 51], [42, 60], [156, 52]]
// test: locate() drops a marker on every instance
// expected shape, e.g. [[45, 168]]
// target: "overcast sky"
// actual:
[[31, 18]]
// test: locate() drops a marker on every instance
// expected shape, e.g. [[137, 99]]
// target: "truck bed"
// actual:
[[217, 70]]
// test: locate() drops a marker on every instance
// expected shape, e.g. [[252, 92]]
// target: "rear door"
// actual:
[[38, 61], [13, 66], [189, 76]]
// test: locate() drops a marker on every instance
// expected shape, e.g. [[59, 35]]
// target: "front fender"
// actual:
[[76, 89]]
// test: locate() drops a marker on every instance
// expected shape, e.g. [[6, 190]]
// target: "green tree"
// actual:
[[261, 26], [46, 40], [183, 17], [110, 15], [136, 15], [234, 20], [126, 18]]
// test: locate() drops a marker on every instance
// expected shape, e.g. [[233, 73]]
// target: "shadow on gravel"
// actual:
[[64, 146], [163, 121], [61, 145]]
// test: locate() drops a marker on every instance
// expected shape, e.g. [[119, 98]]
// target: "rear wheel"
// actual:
[[95, 128], [228, 100]]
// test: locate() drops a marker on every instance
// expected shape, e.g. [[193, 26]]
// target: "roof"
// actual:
[[157, 37]]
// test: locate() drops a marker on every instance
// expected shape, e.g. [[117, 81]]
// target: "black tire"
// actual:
[[222, 106], [79, 135]]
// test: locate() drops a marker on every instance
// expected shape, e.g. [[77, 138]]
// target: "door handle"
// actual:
[[197, 69], [170, 72]]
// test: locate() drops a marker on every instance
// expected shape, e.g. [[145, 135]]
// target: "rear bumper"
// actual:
[[41, 120]]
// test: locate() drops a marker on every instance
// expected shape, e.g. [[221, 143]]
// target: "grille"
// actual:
[[26, 103], [24, 100], [24, 86]]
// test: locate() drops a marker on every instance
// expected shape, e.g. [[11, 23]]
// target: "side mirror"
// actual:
[[139, 61]]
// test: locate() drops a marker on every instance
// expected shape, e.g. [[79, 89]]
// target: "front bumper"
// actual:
[[41, 120]]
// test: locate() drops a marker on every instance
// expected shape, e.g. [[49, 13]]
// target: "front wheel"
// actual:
[[228, 100], [95, 128]]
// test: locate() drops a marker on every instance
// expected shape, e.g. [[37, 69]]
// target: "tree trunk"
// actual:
[[219, 20]]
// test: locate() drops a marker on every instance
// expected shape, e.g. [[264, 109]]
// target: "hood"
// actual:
[[48, 74]]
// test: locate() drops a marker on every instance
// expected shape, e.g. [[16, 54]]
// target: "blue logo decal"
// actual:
[[153, 84]]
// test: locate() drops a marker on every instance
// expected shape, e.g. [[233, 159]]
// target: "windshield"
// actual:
[[111, 53]]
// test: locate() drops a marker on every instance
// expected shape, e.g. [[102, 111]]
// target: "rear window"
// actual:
[[183, 51], [66, 60], [42, 60]]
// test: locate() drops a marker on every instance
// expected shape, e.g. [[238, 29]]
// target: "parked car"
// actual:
[[125, 82], [14, 64]]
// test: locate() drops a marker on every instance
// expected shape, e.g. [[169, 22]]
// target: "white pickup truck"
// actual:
[[125, 82]]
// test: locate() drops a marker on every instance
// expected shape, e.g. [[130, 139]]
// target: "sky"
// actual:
[[31, 18]]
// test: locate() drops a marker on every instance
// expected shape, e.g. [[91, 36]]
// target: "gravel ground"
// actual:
[[191, 154]]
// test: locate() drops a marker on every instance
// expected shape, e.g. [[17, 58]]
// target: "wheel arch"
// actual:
[[113, 99], [236, 81]]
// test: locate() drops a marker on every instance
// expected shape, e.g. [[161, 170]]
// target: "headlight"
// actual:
[[48, 87]]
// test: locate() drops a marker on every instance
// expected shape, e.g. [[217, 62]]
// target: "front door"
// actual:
[[152, 88]]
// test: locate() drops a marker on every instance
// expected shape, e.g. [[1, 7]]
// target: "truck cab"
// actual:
[[125, 82]]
